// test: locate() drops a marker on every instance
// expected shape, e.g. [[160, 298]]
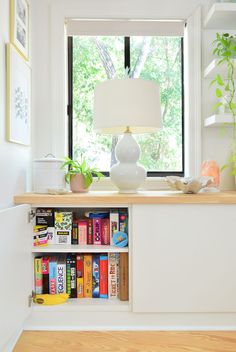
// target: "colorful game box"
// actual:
[[105, 231], [45, 272], [75, 235], [88, 275], [123, 220], [80, 275], [53, 275], [103, 276], [61, 275], [114, 224], [63, 227], [82, 228], [38, 275], [45, 217], [97, 231], [113, 274], [96, 276], [40, 237], [90, 232]]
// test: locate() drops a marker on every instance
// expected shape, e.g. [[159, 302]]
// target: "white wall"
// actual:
[[14, 159], [48, 61], [215, 144]]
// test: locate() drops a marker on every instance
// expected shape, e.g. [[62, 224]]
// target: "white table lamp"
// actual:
[[126, 106]]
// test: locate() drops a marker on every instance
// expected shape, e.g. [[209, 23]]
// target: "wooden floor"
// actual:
[[148, 341]]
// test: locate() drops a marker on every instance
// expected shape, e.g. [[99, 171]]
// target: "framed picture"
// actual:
[[20, 26], [18, 97]]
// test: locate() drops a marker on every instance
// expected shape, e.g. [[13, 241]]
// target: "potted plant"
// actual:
[[79, 175], [225, 51]]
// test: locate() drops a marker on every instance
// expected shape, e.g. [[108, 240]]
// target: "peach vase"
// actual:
[[211, 168], [77, 184]]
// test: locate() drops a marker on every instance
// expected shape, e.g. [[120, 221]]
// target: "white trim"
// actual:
[[192, 79], [12, 342], [59, 12], [58, 82], [131, 328]]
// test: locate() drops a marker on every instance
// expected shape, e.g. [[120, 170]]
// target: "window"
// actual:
[[92, 59]]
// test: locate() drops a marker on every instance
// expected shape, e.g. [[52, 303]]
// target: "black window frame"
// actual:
[[126, 65]]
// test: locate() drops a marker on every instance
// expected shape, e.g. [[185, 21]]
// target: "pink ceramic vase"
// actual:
[[77, 184], [211, 168]]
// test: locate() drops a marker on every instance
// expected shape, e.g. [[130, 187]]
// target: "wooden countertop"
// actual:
[[113, 198]]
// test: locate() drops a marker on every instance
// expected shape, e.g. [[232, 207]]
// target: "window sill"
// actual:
[[150, 184]]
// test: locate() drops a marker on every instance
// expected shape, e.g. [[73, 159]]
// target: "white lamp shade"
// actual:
[[128, 102]]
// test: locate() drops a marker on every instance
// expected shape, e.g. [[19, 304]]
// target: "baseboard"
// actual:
[[130, 328], [12, 342], [129, 321]]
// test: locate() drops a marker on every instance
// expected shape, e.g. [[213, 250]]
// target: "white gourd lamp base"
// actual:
[[127, 175], [119, 103]]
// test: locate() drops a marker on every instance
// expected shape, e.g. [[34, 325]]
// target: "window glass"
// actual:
[[159, 59], [96, 59]]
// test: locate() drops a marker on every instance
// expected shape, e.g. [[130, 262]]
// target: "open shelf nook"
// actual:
[[221, 16]]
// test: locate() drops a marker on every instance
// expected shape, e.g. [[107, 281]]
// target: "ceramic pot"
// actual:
[[77, 184]]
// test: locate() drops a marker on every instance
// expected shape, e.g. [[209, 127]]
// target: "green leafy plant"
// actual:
[[75, 167], [225, 51]]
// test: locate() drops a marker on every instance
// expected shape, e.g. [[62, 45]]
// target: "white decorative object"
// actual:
[[48, 176], [128, 105], [188, 184]]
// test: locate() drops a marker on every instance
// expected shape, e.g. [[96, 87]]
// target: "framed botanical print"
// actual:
[[20, 26], [18, 97]]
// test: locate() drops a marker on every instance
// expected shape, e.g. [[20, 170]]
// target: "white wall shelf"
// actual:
[[71, 248], [218, 120], [221, 16], [86, 305], [212, 69]]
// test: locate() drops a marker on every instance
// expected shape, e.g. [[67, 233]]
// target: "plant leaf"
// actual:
[[233, 172], [217, 105], [219, 80], [218, 93]]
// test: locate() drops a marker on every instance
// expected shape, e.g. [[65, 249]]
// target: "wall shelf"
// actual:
[[218, 120], [212, 69], [71, 248], [221, 16]]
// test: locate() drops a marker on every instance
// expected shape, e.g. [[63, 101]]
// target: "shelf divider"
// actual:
[[212, 69], [86, 305], [72, 248]]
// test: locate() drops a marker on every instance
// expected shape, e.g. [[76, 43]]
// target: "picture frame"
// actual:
[[18, 97], [19, 26]]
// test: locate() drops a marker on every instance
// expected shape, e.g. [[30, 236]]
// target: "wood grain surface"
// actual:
[[128, 341], [142, 197]]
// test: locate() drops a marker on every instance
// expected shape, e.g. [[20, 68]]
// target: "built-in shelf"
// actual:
[[212, 69], [142, 197], [221, 16], [86, 305], [218, 120], [72, 248]]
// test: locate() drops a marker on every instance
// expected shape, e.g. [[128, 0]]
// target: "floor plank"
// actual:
[[126, 341]]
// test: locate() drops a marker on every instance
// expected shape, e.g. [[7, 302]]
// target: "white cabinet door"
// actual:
[[15, 271], [184, 258]]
